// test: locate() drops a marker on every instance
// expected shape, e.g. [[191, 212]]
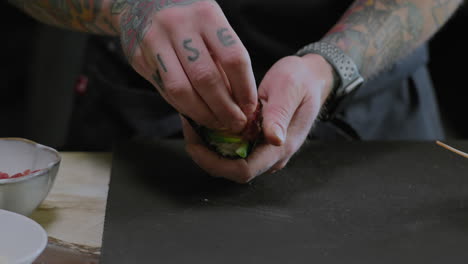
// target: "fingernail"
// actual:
[[278, 132], [249, 109], [237, 125]]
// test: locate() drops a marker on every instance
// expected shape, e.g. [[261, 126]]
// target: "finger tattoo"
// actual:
[[158, 80], [225, 38], [196, 53], [161, 62]]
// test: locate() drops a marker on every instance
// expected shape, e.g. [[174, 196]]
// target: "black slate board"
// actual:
[[335, 203]]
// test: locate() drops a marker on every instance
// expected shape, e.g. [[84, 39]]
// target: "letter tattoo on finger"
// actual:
[[196, 53], [161, 62], [225, 38], [158, 80], [157, 75]]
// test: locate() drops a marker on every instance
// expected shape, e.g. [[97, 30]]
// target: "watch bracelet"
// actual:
[[344, 69], [327, 104]]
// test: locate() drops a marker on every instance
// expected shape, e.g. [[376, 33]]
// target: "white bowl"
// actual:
[[24, 194], [21, 239]]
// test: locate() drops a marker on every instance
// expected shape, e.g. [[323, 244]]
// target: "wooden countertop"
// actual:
[[73, 212]]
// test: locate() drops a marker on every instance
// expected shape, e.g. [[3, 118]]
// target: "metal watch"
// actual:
[[346, 72]]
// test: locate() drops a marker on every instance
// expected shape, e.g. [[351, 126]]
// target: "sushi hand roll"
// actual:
[[232, 146]]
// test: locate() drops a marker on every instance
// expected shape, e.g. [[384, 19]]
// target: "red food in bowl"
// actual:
[[4, 175]]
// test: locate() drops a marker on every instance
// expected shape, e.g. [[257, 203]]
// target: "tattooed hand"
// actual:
[[190, 53], [292, 93]]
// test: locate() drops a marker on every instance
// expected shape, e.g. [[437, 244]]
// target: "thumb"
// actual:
[[279, 106]]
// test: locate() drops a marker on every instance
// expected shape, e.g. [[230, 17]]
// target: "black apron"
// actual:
[[398, 104]]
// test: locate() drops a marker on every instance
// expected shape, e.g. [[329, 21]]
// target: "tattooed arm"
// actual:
[[376, 33], [92, 16], [185, 48]]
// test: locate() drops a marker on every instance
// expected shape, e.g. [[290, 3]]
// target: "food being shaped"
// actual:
[[233, 146]]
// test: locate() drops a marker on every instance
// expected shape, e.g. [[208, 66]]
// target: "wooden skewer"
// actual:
[[461, 153]]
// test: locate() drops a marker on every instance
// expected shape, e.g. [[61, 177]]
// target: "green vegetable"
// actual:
[[242, 151], [223, 138]]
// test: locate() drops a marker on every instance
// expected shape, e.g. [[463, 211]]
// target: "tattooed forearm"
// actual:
[[442, 10], [84, 15], [130, 18], [376, 33]]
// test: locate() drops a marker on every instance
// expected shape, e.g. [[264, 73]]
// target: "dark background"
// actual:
[[41, 66]]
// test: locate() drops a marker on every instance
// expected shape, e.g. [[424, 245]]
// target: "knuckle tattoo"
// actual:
[[195, 53], [225, 37]]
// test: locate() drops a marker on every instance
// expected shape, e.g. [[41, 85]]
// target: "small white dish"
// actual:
[[21, 239]]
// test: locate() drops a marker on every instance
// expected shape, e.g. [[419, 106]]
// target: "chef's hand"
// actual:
[[180, 46], [292, 94]]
